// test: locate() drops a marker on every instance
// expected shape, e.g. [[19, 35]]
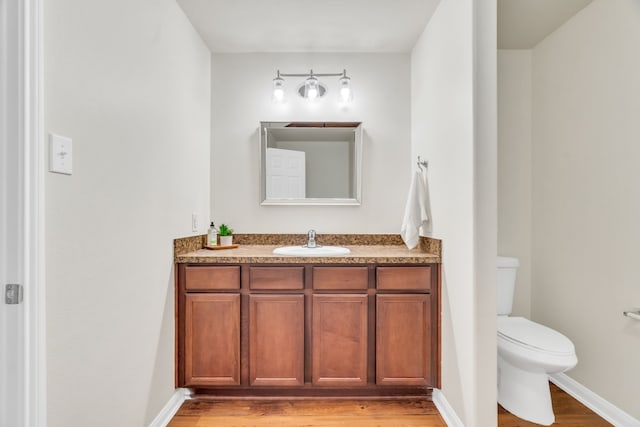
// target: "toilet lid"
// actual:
[[530, 334]]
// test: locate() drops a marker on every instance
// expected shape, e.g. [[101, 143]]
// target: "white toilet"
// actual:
[[527, 353]]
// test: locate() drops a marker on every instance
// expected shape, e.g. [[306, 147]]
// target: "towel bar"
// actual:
[[633, 313]]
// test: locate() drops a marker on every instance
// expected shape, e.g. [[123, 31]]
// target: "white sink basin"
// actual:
[[317, 251]]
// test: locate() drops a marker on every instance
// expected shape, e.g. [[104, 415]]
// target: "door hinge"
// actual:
[[13, 294]]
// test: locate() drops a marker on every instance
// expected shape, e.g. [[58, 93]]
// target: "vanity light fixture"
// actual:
[[312, 89]]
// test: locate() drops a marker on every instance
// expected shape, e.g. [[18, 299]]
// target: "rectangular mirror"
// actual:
[[310, 163]]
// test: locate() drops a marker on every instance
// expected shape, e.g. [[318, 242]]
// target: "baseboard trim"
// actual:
[[591, 400], [171, 407], [446, 411]]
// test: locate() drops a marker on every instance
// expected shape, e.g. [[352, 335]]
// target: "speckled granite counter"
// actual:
[[258, 248]]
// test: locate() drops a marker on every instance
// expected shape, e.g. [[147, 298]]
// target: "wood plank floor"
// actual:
[[569, 413], [356, 413], [308, 413]]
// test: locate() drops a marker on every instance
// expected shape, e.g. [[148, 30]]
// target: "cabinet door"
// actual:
[[276, 340], [403, 325], [339, 340], [212, 339]]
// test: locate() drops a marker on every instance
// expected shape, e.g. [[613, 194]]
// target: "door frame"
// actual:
[[31, 140]]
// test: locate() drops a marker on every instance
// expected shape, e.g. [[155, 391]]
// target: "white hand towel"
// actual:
[[417, 212]]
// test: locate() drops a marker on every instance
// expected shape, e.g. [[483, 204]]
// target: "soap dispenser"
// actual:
[[212, 235]]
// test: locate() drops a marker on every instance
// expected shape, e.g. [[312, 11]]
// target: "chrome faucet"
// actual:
[[311, 243]]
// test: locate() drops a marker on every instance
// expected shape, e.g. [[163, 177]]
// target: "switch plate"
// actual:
[[60, 154], [195, 221]]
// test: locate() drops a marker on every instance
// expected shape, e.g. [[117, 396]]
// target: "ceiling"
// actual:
[[522, 24], [309, 25], [243, 26]]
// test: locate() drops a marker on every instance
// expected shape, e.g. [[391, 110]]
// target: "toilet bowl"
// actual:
[[527, 353]]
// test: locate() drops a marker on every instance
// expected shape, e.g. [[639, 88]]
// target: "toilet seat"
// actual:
[[533, 336]]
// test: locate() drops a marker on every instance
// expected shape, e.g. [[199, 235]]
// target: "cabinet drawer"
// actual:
[[403, 278], [340, 278], [276, 278], [199, 278]]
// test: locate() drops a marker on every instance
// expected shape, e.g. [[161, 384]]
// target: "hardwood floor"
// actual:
[[308, 413], [569, 413], [356, 413]]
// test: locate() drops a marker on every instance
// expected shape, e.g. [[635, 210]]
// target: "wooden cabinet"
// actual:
[[339, 335], [209, 328], [212, 339], [276, 340], [406, 326], [403, 339], [339, 330], [308, 329]]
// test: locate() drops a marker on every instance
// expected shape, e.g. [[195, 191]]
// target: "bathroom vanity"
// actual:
[[251, 323]]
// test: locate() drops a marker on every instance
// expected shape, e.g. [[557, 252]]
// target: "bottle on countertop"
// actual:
[[212, 235]]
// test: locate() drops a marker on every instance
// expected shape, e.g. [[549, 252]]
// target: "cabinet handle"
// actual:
[[633, 313]]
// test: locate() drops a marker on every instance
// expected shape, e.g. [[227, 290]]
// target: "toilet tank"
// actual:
[[506, 283]]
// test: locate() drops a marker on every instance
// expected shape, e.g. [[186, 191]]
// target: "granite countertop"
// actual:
[[365, 249]]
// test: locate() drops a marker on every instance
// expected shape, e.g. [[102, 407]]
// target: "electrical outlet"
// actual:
[[195, 221]]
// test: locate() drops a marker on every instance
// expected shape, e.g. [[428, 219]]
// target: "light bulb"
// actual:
[[311, 90], [346, 94], [278, 94], [278, 89]]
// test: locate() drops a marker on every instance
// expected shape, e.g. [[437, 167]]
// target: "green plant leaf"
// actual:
[[224, 230]]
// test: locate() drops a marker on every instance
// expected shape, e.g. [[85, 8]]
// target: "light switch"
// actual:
[[60, 154]]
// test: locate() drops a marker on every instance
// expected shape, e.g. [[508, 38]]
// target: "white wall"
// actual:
[[128, 80], [241, 98], [514, 168], [13, 265], [586, 203], [461, 158]]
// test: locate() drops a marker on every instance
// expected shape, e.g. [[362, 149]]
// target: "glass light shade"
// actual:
[[278, 89], [346, 94], [311, 88]]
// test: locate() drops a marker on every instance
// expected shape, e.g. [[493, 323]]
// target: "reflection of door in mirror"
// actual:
[[285, 174]]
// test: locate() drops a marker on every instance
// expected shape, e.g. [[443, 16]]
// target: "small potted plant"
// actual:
[[226, 235]]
